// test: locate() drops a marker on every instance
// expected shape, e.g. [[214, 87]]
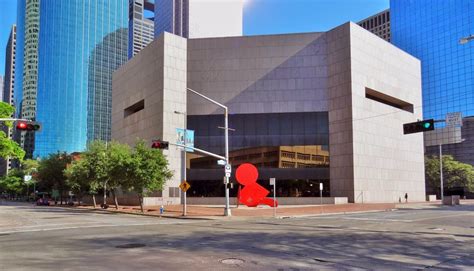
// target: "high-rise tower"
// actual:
[[431, 30], [76, 54], [8, 89], [140, 26], [199, 18]]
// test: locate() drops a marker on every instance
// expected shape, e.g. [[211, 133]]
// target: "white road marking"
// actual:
[[96, 226]]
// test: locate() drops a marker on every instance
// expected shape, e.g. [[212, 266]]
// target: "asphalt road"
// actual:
[[48, 238]]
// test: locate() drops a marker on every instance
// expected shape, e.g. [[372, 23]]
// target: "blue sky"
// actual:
[[260, 16]]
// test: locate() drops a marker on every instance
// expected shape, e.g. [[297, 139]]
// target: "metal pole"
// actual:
[[441, 169], [226, 133], [274, 199], [184, 163], [226, 113], [321, 195]]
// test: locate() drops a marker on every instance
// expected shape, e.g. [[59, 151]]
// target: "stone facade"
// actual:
[[157, 78], [368, 87]]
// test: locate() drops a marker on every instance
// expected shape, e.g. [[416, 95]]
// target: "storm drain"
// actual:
[[232, 261], [132, 245]]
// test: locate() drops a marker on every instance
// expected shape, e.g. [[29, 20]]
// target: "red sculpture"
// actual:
[[252, 194]]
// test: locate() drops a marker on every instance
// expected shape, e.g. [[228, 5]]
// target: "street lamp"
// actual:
[[226, 135], [466, 39], [184, 158]]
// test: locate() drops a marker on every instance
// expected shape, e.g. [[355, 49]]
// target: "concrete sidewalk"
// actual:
[[216, 212]]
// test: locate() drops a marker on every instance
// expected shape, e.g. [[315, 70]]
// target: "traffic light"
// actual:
[[28, 125], [159, 144], [419, 126]]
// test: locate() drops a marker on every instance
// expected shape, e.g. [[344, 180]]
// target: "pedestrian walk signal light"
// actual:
[[159, 144], [28, 126], [419, 126]]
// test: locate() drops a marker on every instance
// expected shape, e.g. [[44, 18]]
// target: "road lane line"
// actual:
[[96, 226]]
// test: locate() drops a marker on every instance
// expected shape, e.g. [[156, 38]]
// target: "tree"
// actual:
[[148, 171], [78, 179], [12, 185], [8, 147], [455, 173], [118, 160], [51, 172], [102, 164]]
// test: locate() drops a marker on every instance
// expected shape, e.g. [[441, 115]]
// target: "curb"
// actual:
[[204, 218]]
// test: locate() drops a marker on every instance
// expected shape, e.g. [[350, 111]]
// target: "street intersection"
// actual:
[[416, 237]]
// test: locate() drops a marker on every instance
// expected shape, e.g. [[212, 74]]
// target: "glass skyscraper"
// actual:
[[81, 43], [430, 30]]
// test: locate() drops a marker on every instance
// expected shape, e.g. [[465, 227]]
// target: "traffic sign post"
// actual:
[[184, 186], [454, 119], [273, 182]]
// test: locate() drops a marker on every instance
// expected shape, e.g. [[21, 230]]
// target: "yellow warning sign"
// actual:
[[184, 186]]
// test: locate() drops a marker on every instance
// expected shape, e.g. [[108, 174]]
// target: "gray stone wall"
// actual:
[[260, 74], [157, 75], [385, 163]]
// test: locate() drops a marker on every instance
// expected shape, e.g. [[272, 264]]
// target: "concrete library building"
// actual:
[[310, 108]]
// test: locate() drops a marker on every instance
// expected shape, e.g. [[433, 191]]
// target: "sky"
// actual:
[[260, 16]]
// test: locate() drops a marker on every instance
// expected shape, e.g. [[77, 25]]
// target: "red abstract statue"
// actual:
[[252, 194]]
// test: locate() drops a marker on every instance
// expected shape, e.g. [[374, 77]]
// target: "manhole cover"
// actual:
[[134, 245], [232, 261]]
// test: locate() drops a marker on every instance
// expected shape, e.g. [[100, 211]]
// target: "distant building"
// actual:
[[140, 27], [1, 87], [433, 35], [68, 61], [293, 100], [379, 24], [199, 19], [8, 89], [271, 157], [26, 70], [10, 64]]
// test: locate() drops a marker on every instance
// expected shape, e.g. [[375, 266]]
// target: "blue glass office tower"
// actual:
[[81, 43], [430, 30]]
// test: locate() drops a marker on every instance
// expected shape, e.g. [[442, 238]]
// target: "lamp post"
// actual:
[[184, 158], [226, 135]]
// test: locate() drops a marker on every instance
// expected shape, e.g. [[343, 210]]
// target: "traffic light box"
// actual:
[[159, 144], [419, 126], [27, 125]]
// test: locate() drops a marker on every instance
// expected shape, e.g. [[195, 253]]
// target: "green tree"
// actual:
[[455, 173], [12, 185], [78, 179], [102, 165], [148, 171], [51, 172], [8, 147]]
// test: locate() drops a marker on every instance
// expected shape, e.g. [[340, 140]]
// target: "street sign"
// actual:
[[454, 119], [272, 181], [27, 178], [227, 174], [189, 138], [228, 168], [221, 162], [184, 186]]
